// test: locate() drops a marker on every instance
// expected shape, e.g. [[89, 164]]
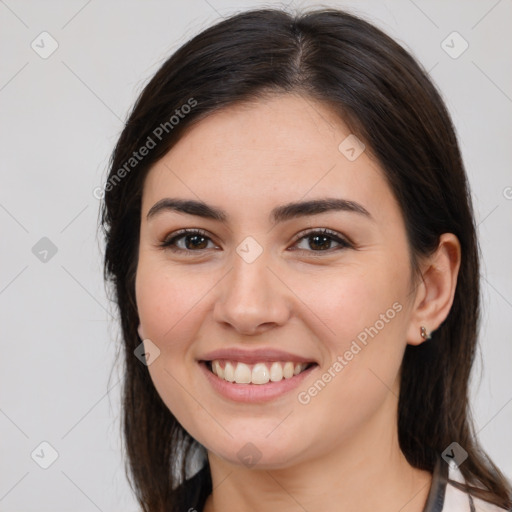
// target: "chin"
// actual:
[[257, 453]]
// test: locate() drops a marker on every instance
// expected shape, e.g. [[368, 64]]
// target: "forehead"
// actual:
[[277, 132], [255, 155]]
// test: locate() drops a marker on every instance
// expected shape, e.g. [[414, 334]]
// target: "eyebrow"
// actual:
[[279, 214]]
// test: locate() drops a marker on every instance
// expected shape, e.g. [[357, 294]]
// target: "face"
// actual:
[[326, 290]]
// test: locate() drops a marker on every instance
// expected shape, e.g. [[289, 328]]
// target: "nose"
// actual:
[[251, 298]]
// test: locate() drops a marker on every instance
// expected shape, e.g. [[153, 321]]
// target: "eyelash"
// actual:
[[169, 243]]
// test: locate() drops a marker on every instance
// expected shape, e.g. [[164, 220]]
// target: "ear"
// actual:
[[435, 292], [139, 330]]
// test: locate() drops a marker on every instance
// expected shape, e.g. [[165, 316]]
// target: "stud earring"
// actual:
[[424, 334]]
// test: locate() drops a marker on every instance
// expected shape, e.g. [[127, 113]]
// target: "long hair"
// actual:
[[388, 101]]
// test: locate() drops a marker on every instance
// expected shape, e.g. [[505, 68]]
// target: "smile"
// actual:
[[256, 382], [258, 373]]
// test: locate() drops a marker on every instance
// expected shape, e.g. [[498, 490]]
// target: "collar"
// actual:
[[435, 499]]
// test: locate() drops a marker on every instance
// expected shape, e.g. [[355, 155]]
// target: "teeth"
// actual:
[[229, 372], [242, 374], [276, 372], [288, 370], [259, 373], [217, 369]]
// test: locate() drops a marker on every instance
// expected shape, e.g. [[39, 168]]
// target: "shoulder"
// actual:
[[459, 500], [483, 506]]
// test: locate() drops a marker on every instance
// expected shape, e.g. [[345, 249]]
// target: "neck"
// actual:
[[365, 472]]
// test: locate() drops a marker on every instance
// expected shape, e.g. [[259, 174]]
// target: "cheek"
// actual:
[[162, 306], [366, 316], [170, 302], [357, 302], [364, 358], [164, 299]]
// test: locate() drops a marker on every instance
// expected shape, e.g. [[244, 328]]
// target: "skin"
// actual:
[[340, 451]]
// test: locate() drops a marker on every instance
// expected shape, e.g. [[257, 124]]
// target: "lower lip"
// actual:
[[254, 393]]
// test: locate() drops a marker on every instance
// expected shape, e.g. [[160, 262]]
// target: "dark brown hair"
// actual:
[[387, 99]]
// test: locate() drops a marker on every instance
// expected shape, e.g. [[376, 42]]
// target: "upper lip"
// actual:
[[254, 356]]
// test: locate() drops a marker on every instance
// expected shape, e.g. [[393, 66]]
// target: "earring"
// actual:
[[424, 334]]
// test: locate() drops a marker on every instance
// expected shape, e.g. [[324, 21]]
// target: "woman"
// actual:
[[292, 246]]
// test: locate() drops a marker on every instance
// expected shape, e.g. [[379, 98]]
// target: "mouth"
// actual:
[[259, 373]]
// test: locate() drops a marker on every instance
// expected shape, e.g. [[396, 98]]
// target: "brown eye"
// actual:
[[190, 240], [322, 240], [194, 240]]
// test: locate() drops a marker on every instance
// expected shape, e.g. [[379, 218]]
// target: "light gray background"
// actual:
[[60, 118]]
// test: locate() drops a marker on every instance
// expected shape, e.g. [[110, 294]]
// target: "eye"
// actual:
[[196, 240], [187, 240], [322, 240]]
